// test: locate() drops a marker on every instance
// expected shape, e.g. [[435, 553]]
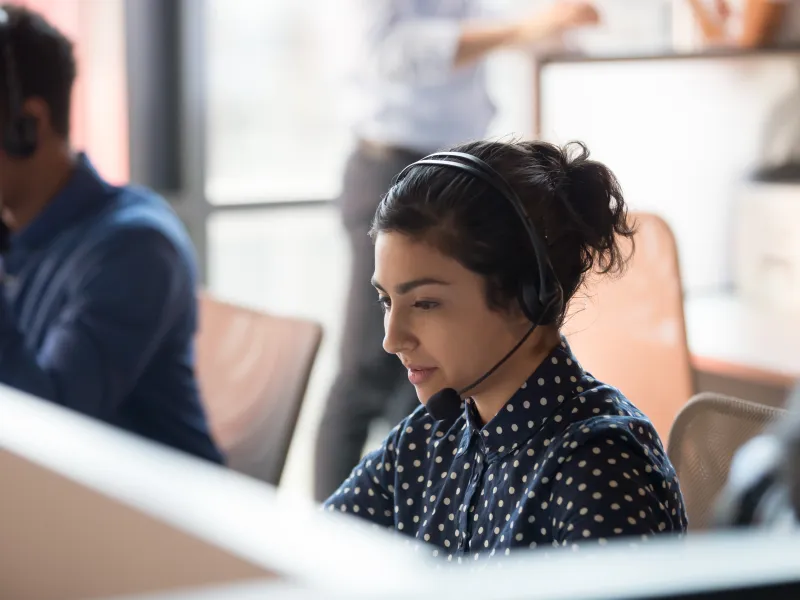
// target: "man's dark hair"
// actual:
[[45, 64]]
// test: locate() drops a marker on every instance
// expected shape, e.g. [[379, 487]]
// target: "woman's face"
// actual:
[[436, 317]]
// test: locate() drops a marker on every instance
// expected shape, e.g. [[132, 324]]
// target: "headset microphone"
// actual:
[[445, 405], [540, 295]]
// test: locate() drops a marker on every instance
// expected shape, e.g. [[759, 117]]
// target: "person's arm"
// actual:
[[420, 49], [476, 40], [130, 290], [609, 486], [712, 25], [369, 491]]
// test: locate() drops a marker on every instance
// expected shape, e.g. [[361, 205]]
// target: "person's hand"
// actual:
[[565, 15], [557, 19]]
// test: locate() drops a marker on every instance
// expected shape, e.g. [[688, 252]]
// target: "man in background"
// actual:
[[97, 301], [419, 84]]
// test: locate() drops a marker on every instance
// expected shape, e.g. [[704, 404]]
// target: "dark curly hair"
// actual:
[[575, 203]]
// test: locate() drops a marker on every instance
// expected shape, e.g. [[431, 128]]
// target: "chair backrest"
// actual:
[[630, 331], [253, 370], [702, 443]]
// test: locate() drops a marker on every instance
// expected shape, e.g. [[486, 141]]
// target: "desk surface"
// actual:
[[731, 338]]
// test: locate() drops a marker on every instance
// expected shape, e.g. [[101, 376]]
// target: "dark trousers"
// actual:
[[371, 383]]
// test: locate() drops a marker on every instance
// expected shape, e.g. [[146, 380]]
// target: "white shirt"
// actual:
[[403, 88]]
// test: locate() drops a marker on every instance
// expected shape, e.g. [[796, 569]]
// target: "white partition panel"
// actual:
[[682, 135], [88, 511]]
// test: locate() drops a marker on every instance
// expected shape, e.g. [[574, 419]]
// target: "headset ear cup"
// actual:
[[20, 137], [554, 304], [529, 302], [541, 309]]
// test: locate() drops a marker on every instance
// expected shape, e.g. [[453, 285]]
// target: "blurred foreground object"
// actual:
[[763, 488]]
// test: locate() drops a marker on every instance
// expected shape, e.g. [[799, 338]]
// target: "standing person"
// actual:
[[98, 306], [420, 86]]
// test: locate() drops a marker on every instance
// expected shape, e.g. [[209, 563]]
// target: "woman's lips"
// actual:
[[419, 375]]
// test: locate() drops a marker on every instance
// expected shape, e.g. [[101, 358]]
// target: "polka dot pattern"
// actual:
[[569, 461]]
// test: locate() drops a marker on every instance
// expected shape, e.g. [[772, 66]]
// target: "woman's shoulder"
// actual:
[[602, 414], [602, 403], [612, 440]]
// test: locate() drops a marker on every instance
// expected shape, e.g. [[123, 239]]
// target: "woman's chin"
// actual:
[[425, 392], [423, 396]]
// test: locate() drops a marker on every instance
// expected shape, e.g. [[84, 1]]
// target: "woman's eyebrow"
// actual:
[[405, 288]]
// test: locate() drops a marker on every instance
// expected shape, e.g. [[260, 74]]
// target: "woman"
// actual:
[[476, 261]]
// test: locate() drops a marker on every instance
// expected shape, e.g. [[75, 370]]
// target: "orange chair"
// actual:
[[630, 332], [253, 370]]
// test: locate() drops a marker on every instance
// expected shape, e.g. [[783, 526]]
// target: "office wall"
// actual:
[[682, 135]]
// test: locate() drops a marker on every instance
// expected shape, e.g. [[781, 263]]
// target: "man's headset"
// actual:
[[19, 137], [540, 294]]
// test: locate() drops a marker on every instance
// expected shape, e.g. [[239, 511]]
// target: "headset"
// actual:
[[19, 136], [540, 295]]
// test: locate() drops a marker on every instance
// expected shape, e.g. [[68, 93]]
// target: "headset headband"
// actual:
[[13, 89]]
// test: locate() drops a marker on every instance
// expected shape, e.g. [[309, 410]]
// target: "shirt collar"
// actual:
[[555, 380], [84, 193]]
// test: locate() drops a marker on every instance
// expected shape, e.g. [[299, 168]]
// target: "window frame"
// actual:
[[165, 43]]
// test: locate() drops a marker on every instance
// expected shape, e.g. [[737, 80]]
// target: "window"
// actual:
[[273, 129]]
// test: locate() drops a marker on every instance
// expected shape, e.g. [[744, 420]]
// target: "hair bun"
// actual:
[[590, 197]]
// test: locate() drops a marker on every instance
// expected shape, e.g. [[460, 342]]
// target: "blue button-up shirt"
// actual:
[[98, 312], [403, 88], [567, 460]]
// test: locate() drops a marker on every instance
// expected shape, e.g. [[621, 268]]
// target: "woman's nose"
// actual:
[[397, 337]]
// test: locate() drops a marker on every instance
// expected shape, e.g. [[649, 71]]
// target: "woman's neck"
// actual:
[[490, 398]]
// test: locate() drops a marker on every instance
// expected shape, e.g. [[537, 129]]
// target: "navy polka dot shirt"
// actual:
[[567, 460]]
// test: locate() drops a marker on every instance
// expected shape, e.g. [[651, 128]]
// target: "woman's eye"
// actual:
[[384, 302], [425, 304]]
